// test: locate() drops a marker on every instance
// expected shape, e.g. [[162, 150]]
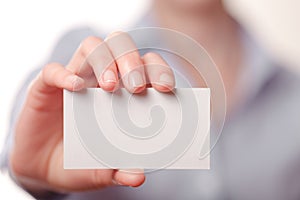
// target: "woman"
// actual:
[[257, 157]]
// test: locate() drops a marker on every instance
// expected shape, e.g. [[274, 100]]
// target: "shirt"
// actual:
[[256, 157]]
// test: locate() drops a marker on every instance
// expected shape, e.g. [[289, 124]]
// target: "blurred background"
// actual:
[[31, 28]]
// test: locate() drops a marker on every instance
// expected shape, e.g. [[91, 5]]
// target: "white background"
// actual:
[[30, 28]]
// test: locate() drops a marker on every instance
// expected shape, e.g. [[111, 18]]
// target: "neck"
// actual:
[[212, 27], [207, 24]]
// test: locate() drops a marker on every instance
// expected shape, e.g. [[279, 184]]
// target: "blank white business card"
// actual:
[[152, 130]]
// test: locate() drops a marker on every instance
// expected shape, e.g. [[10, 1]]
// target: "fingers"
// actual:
[[159, 73], [94, 62], [99, 63], [56, 76], [128, 61]]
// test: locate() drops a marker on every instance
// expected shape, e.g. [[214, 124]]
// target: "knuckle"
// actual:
[[151, 55], [48, 68], [120, 40], [116, 33], [88, 44], [90, 40], [155, 58], [99, 179], [96, 179]]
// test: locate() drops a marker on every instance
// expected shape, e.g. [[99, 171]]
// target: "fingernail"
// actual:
[[109, 77], [135, 79], [166, 79]]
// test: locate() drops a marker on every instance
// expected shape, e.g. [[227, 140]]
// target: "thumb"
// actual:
[[83, 180]]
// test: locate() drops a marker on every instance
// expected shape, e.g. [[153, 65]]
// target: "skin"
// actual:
[[207, 22], [36, 159], [43, 144]]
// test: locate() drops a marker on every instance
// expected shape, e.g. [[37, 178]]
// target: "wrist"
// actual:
[[36, 188]]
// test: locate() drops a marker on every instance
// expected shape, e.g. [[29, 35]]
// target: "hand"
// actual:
[[37, 156]]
